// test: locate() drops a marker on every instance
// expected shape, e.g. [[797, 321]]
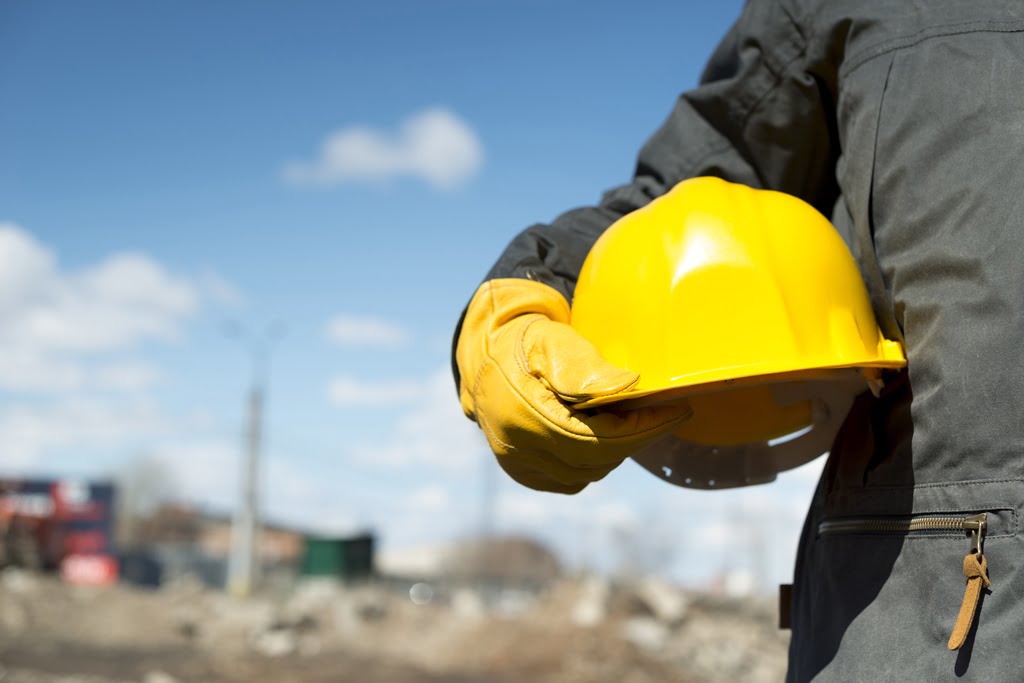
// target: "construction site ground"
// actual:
[[576, 631]]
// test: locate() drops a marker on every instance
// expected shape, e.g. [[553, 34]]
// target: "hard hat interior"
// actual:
[[749, 432], [742, 415]]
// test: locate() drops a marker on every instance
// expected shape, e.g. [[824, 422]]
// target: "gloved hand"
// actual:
[[522, 369]]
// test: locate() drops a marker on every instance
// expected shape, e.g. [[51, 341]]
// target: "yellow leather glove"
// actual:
[[522, 369]]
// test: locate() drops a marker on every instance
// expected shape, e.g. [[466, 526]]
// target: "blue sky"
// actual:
[[163, 170]]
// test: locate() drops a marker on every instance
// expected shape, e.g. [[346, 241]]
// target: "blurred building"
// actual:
[[185, 540]]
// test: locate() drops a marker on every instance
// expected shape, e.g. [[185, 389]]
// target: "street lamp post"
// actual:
[[243, 563]]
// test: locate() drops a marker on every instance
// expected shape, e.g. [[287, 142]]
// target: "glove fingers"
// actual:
[[605, 425], [568, 364], [634, 426]]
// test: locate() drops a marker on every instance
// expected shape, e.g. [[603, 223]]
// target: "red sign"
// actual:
[[89, 570]]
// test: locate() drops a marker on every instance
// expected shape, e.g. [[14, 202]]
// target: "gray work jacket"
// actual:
[[903, 121]]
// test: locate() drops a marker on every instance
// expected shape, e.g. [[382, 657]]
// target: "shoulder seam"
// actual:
[[901, 42]]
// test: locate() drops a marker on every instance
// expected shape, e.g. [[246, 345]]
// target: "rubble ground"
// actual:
[[577, 631]]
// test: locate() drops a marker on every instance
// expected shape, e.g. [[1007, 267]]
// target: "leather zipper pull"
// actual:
[[976, 572]]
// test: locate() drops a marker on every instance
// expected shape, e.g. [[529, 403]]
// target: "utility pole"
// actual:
[[243, 564], [485, 545]]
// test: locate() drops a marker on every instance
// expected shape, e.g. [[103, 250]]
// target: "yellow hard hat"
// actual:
[[748, 304]]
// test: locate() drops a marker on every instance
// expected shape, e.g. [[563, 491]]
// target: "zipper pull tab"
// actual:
[[976, 573]]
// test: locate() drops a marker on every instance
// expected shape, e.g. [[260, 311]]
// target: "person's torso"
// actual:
[[930, 119]]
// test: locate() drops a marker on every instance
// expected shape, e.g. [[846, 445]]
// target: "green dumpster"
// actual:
[[343, 558]]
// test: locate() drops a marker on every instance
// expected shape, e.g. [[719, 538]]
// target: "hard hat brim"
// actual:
[[642, 398]]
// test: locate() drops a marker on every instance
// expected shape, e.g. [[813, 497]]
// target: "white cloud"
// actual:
[[63, 331], [24, 369], [34, 371], [432, 513], [428, 500], [525, 508], [206, 470], [362, 330], [433, 145], [617, 514], [29, 433], [349, 391], [434, 434], [125, 299], [26, 269], [599, 506], [126, 376]]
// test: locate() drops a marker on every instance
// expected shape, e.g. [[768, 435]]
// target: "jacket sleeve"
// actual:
[[760, 116]]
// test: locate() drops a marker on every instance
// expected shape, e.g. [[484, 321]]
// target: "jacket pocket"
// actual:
[[973, 527], [881, 586]]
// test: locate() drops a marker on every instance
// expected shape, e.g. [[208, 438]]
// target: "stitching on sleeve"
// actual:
[[779, 76]]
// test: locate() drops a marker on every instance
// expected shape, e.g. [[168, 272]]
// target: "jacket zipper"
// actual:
[[975, 567], [976, 525]]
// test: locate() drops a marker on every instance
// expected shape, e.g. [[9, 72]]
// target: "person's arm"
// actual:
[[759, 117]]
